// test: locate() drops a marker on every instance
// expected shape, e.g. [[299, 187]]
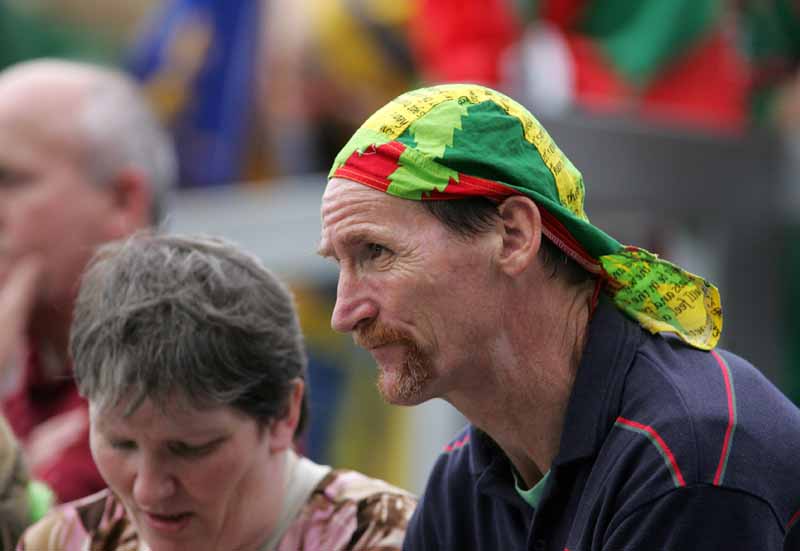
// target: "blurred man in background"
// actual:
[[82, 161]]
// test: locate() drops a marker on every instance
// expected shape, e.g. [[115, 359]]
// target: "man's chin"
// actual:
[[403, 390]]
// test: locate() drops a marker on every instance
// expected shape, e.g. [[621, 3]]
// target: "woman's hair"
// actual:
[[161, 317], [14, 507]]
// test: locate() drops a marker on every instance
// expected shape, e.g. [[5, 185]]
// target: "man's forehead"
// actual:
[[343, 186], [350, 210], [42, 119], [344, 199], [28, 143], [51, 78], [42, 94]]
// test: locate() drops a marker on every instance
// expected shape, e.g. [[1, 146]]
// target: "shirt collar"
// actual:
[[593, 405]]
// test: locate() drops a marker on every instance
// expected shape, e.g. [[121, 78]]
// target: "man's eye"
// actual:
[[10, 180], [375, 250]]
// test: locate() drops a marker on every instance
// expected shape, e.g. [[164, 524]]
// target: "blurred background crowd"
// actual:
[[683, 115]]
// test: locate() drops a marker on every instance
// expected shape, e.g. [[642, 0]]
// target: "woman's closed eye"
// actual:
[[189, 451], [123, 445]]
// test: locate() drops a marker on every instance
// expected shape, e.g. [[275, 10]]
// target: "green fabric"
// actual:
[[26, 36], [501, 151], [421, 174], [773, 30], [643, 37], [461, 140], [772, 42], [527, 10], [40, 499], [533, 495]]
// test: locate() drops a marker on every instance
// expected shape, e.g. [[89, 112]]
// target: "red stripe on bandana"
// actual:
[[564, 240], [471, 186], [372, 167]]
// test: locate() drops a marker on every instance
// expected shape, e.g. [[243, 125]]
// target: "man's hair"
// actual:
[[162, 317], [473, 216], [121, 130]]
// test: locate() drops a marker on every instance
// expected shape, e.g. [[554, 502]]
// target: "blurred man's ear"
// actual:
[[282, 430], [521, 233], [132, 199]]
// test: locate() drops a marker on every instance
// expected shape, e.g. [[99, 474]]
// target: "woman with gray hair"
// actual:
[[191, 357]]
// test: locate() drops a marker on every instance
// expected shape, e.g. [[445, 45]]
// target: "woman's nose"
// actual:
[[153, 484]]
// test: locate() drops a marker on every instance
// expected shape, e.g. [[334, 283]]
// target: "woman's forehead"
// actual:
[[172, 416]]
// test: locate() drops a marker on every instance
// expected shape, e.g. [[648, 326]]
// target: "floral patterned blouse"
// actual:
[[345, 511]]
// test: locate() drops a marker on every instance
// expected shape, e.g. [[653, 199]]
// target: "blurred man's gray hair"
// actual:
[[122, 131]]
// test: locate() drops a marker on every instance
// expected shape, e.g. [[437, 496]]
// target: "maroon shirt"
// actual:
[[51, 420]]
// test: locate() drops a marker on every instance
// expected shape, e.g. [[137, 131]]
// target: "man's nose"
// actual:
[[354, 303]]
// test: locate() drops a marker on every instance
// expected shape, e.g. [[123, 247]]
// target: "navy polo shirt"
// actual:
[[665, 448]]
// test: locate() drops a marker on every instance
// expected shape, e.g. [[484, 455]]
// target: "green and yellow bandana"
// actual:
[[461, 140]]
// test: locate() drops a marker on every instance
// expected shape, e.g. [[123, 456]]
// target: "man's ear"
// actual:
[[132, 199], [282, 430], [521, 233]]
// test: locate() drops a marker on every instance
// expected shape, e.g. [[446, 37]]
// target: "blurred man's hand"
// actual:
[[17, 293]]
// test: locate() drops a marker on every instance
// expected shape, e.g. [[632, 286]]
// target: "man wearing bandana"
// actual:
[[602, 415]]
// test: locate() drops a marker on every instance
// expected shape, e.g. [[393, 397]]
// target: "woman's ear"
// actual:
[[282, 430], [521, 233]]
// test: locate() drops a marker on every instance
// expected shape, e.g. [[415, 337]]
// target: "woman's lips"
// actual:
[[168, 523]]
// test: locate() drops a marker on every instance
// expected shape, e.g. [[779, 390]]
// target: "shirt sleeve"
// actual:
[[702, 515], [50, 532], [381, 522]]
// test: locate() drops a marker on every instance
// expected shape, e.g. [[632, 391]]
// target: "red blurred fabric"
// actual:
[[51, 421]]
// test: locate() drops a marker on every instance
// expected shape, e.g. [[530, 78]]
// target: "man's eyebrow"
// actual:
[[350, 238]]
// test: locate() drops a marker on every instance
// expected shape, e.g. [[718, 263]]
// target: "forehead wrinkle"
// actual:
[[339, 208]]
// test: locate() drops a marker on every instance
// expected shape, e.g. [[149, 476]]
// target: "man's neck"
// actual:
[[522, 401], [48, 334]]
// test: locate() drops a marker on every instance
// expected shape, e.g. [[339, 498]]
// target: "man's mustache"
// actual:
[[375, 334]]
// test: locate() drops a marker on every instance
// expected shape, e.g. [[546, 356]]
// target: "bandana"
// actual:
[[461, 140]]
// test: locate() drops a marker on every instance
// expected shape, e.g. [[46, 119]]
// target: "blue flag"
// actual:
[[196, 60]]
